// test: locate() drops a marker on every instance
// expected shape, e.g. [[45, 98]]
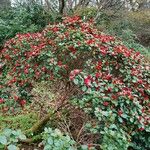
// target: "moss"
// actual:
[[23, 121]]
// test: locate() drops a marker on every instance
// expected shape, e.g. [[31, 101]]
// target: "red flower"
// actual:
[[109, 89], [16, 97], [108, 77], [105, 103], [26, 70], [146, 98], [114, 97], [106, 38], [99, 65], [7, 57], [43, 69], [87, 81], [73, 73], [134, 72], [140, 118], [89, 42], [90, 146], [59, 63], [140, 81], [66, 34], [1, 100], [55, 29], [137, 54], [22, 102], [98, 75], [71, 20], [72, 49], [120, 112], [141, 129], [103, 50], [37, 74], [127, 53], [127, 92]]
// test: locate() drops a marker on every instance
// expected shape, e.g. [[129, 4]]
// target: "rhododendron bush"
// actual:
[[113, 80]]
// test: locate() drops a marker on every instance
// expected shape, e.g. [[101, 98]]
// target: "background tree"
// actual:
[[4, 3]]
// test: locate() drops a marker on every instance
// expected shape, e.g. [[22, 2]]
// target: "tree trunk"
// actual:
[[61, 6]]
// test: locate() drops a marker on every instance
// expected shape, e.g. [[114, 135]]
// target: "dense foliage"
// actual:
[[113, 79], [22, 19]]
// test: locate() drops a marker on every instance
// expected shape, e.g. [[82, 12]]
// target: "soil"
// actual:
[[30, 147]]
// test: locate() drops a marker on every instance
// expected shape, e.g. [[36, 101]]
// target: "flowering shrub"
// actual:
[[114, 80]]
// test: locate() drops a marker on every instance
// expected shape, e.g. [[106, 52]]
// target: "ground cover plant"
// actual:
[[111, 81], [9, 139]]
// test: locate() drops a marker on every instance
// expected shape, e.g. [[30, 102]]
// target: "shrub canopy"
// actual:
[[113, 79]]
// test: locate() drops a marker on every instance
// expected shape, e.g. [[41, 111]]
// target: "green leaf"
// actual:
[[76, 81], [12, 147], [84, 88], [113, 126], [84, 147], [22, 137], [7, 132], [48, 147], [3, 140], [120, 119], [50, 141], [131, 119], [124, 116]]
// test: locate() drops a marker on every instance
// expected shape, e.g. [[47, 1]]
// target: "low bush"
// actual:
[[113, 79]]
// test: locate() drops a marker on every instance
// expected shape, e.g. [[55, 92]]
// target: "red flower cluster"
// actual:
[[73, 73]]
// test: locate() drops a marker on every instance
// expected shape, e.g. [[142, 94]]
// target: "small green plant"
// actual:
[[9, 139], [55, 140], [114, 139]]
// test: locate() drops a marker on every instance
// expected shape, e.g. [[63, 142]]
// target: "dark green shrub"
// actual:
[[22, 19]]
